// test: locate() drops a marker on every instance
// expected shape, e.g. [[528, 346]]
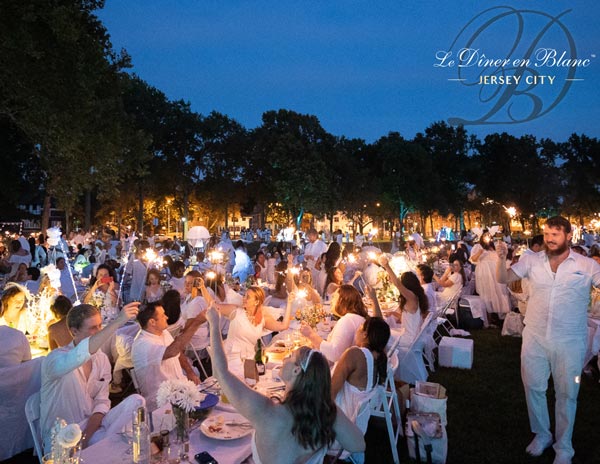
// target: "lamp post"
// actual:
[[168, 216]]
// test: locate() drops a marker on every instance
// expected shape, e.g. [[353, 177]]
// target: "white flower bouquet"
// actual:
[[183, 394]]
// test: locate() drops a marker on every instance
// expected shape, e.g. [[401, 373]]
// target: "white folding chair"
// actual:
[[384, 404], [443, 324], [134, 379], [190, 348], [411, 362], [32, 413]]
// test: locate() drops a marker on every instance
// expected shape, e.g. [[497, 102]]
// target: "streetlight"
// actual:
[[168, 216]]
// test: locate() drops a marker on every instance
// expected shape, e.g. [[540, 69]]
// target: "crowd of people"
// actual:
[[189, 302]]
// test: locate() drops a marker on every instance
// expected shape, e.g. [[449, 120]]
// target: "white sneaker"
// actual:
[[538, 445]]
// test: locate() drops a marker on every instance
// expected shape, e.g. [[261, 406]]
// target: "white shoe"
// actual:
[[538, 445]]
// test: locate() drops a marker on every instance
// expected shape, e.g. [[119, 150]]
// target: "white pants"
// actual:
[[564, 360], [117, 418]]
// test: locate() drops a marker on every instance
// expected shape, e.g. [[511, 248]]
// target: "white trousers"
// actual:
[[564, 360], [117, 418]]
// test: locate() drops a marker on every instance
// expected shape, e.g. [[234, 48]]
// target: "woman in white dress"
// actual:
[[414, 305], [248, 322], [494, 295], [13, 308], [153, 291], [360, 369], [104, 292], [347, 303], [453, 280], [302, 426]]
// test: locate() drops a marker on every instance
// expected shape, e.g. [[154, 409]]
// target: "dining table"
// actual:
[[230, 444]]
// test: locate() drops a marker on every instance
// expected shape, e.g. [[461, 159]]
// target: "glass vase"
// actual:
[[182, 424]]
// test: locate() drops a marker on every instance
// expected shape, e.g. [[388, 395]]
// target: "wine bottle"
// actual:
[[141, 437], [258, 358]]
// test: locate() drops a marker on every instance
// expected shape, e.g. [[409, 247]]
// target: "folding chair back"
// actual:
[[412, 366], [385, 405], [32, 413]]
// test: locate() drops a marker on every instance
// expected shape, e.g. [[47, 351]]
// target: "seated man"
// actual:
[[156, 355], [75, 378]]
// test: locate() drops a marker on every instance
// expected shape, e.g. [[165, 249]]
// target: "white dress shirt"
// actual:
[[66, 393], [558, 302], [150, 368], [314, 249]]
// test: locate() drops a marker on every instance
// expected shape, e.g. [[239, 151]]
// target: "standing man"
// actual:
[[76, 378], [555, 334], [313, 251]]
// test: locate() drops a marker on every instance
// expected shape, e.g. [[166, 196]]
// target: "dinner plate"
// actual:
[[219, 428], [276, 349], [210, 401]]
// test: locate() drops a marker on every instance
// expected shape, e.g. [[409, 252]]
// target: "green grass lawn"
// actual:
[[487, 415]]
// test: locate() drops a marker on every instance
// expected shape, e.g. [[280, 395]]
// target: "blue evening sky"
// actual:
[[365, 68]]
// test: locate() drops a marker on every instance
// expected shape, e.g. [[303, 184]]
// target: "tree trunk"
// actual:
[[45, 214], [186, 213], [88, 209], [140, 211], [431, 225], [67, 217], [226, 216]]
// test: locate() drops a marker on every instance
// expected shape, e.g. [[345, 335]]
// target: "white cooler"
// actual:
[[456, 352]]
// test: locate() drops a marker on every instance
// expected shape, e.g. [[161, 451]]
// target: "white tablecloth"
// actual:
[[113, 449]]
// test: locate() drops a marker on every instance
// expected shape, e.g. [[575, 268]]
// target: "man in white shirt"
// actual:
[[313, 251], [76, 378], [555, 334], [156, 355], [425, 275]]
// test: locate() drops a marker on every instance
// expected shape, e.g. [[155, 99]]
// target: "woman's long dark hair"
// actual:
[[330, 278], [378, 335], [411, 281], [463, 276], [332, 255], [309, 401]]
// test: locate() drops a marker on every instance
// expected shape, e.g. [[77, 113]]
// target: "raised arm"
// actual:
[[411, 298], [128, 312], [278, 326], [224, 308], [181, 341], [503, 275], [372, 294], [251, 404]]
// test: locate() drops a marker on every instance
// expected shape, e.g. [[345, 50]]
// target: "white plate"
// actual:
[[214, 427]]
